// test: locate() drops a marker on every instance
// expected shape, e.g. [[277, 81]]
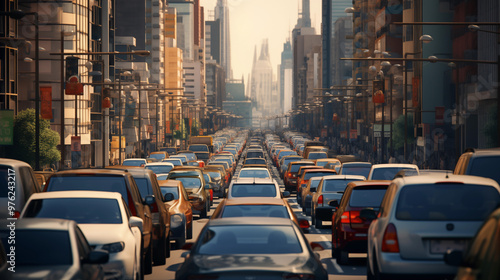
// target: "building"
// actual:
[[262, 81]]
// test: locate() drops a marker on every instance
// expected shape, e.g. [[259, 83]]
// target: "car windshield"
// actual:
[[89, 183], [369, 197], [446, 202], [356, 170], [175, 162], [485, 167], [102, 210], [38, 247], [134, 162], [387, 173], [158, 169], [254, 239], [334, 185], [252, 173], [174, 191], [278, 211], [251, 190], [255, 161], [317, 155], [190, 182], [198, 148], [144, 187]]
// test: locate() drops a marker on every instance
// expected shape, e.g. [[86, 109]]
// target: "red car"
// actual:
[[349, 227]]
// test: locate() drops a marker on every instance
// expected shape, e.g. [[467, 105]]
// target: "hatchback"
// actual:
[[421, 217]]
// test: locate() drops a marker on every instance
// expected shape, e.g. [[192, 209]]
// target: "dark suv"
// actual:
[[111, 180], [483, 163], [148, 186]]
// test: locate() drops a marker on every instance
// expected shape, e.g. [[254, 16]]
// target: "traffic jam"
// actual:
[[251, 204]]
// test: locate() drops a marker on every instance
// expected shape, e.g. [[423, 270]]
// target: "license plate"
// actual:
[[440, 246], [293, 181]]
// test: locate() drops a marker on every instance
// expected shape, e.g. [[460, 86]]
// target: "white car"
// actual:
[[107, 225], [255, 187], [159, 167], [387, 171], [134, 162], [254, 172]]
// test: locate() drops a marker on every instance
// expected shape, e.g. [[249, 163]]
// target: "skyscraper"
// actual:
[[222, 14], [262, 80]]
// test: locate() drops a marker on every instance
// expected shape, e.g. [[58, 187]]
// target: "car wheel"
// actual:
[[319, 223], [182, 240], [375, 274], [148, 268], [189, 232], [160, 252], [342, 257]]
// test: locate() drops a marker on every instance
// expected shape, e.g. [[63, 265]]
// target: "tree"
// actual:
[[24, 140], [398, 136]]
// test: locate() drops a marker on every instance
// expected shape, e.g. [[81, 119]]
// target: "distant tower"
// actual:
[[222, 14], [262, 80], [306, 13]]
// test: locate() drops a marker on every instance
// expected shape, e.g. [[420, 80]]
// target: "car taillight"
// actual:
[[304, 223], [390, 241], [351, 217], [154, 207], [289, 174], [320, 199]]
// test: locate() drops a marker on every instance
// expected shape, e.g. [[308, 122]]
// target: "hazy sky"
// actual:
[[251, 21]]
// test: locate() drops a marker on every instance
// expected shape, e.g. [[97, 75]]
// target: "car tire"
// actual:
[[375, 274], [182, 240], [148, 268], [160, 254], [318, 224], [342, 257]]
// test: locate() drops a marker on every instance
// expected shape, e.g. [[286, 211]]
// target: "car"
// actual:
[[479, 261], [263, 207], [43, 176], [479, 162], [324, 161], [52, 248], [255, 187], [159, 156], [254, 172], [349, 229], [181, 214], [305, 173], [111, 180], [169, 150], [224, 178], [17, 184], [221, 160], [147, 183], [254, 247], [203, 156], [174, 161], [290, 177], [225, 165], [307, 194], [330, 188], [283, 164], [316, 155], [216, 181], [183, 158], [198, 148], [283, 153], [191, 156], [210, 185], [255, 153], [255, 161], [387, 171], [159, 167], [134, 162], [420, 218], [195, 185], [356, 168], [108, 213]]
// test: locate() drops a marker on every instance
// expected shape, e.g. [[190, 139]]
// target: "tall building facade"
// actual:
[[262, 81], [222, 14], [285, 74]]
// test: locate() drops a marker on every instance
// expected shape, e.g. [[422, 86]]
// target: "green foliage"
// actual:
[[24, 140], [398, 137]]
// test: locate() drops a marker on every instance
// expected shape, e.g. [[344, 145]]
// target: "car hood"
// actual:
[[222, 263], [101, 233], [44, 272]]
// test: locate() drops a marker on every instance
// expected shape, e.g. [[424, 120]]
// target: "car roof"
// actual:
[[253, 180], [85, 194], [370, 183], [158, 163], [128, 159], [358, 163], [253, 201], [169, 183], [140, 172], [271, 221], [344, 177], [257, 168], [13, 162], [93, 171], [391, 165], [444, 178]]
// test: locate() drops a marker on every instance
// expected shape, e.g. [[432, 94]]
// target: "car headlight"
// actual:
[[176, 220], [114, 247]]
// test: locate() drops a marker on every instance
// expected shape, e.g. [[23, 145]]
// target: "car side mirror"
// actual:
[[334, 203], [168, 197], [286, 194], [368, 214], [97, 257], [453, 257], [149, 200], [136, 222]]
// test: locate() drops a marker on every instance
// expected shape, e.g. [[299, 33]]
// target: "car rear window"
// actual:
[[309, 175], [250, 190], [317, 155], [255, 154], [253, 239], [102, 210], [387, 173], [486, 167], [296, 167], [40, 247], [336, 185], [446, 202], [366, 197], [144, 187], [157, 156], [203, 156], [251, 173], [277, 211], [158, 169], [174, 191], [190, 182], [89, 183], [133, 162], [255, 161], [356, 170]]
